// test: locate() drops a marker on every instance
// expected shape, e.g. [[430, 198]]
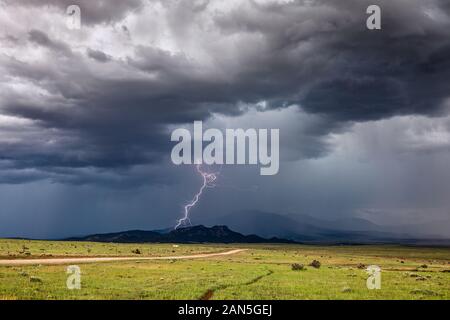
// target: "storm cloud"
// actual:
[[95, 106]]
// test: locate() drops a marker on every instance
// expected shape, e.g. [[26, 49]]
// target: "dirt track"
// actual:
[[23, 262]]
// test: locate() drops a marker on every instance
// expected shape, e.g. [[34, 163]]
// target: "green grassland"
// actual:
[[262, 272], [29, 249]]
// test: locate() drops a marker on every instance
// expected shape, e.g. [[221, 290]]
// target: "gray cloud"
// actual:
[[317, 55], [98, 55]]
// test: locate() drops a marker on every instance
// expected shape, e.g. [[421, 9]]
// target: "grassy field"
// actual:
[[262, 272]]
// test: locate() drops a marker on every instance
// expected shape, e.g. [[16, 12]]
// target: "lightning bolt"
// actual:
[[208, 182]]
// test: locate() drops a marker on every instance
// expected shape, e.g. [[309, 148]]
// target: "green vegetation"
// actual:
[[29, 249], [262, 272]]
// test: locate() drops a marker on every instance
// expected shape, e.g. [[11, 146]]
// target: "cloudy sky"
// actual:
[[86, 115]]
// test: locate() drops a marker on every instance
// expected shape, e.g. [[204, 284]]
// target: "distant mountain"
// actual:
[[163, 231], [347, 224], [269, 225], [304, 228], [131, 236], [194, 234]]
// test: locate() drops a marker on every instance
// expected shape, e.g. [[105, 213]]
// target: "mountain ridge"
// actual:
[[192, 234]]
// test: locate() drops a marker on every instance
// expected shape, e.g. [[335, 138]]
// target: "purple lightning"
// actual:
[[208, 182]]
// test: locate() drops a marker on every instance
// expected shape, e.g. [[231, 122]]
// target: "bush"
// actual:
[[297, 267], [35, 279], [346, 290], [315, 264], [136, 251]]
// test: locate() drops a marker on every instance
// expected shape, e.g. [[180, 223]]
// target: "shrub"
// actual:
[[35, 279], [315, 264], [297, 267]]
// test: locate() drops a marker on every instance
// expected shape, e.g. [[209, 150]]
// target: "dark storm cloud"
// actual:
[[98, 55], [349, 72], [317, 54], [40, 38]]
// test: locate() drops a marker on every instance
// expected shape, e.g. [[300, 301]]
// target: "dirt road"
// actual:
[[24, 262]]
